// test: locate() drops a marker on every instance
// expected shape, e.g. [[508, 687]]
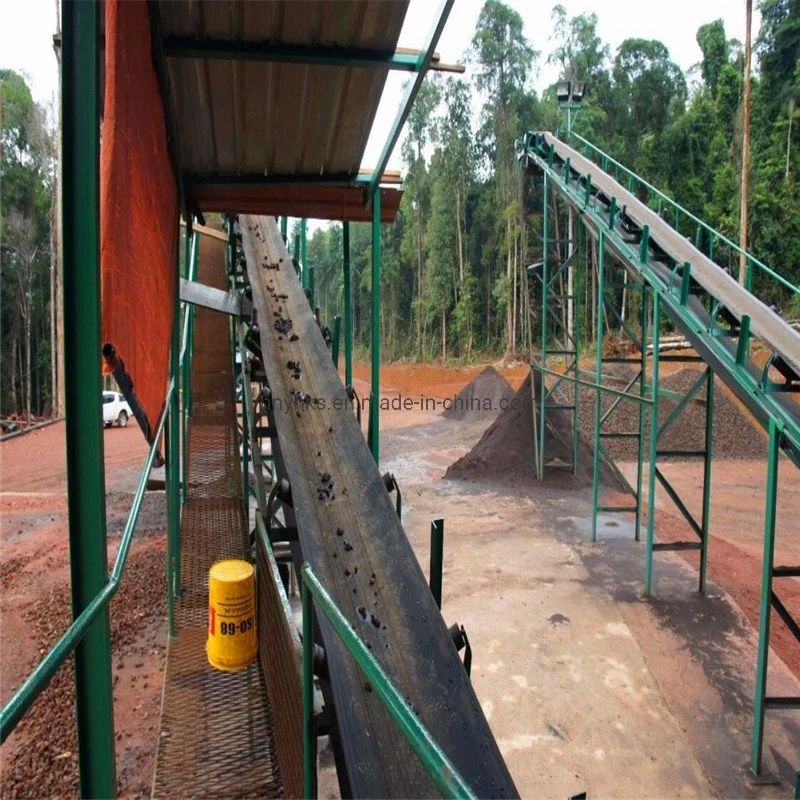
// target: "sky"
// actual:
[[26, 30]]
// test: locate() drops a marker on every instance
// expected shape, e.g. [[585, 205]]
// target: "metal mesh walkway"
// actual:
[[216, 735]]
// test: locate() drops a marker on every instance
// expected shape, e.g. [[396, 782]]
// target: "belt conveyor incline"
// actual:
[[765, 324], [356, 545]]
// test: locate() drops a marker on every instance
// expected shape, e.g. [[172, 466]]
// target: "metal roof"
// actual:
[[260, 90]]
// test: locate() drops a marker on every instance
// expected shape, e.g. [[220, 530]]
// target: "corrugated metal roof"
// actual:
[[249, 118]]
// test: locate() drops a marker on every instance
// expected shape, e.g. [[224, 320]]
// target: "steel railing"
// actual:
[[657, 199], [37, 681]]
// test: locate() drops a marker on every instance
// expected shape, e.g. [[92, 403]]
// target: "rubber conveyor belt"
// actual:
[[356, 545], [765, 324]]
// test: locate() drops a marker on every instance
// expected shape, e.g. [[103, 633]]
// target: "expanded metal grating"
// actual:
[[216, 736]]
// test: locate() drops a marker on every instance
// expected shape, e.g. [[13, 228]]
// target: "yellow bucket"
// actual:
[[231, 643]]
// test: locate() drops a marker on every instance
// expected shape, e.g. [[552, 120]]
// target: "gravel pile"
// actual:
[[735, 433], [43, 760], [482, 398], [505, 451]]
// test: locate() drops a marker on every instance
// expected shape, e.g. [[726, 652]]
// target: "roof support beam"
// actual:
[[422, 66], [404, 61]]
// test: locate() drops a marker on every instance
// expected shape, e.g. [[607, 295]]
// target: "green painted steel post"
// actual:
[[80, 120], [244, 440], [543, 355], [311, 298], [309, 729], [762, 660], [576, 342], [437, 560], [375, 371], [173, 467], [284, 226], [707, 459], [601, 247], [296, 256], [348, 307], [187, 258], [651, 474], [304, 252], [337, 332], [642, 394]]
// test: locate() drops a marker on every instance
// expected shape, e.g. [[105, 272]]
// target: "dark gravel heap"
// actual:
[[481, 398], [505, 451], [735, 433]]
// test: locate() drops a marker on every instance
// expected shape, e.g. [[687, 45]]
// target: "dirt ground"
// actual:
[[35, 611], [587, 685]]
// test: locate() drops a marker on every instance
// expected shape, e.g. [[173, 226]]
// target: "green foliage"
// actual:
[[27, 174]]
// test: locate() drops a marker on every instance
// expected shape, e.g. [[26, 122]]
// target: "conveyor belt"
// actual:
[[765, 323], [719, 352], [216, 735], [357, 546]]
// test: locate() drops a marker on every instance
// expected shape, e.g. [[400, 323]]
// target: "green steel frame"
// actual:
[[88, 637], [672, 301], [80, 120], [359, 58], [659, 201]]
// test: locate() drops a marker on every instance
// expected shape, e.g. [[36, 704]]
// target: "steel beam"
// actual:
[[375, 370], [314, 55], [303, 253], [599, 380], [80, 120], [651, 474], [543, 346], [210, 297], [762, 659], [414, 85], [348, 307]]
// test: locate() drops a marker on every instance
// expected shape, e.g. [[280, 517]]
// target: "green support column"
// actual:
[[576, 342], [543, 356], [601, 247], [706, 518], [642, 394], [172, 469], [80, 120], [375, 371], [348, 307], [284, 225], [309, 726], [186, 366], [651, 472], [296, 254], [311, 298], [762, 661], [303, 252], [187, 259], [337, 331]]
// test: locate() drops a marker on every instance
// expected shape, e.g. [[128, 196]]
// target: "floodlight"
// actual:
[[578, 90], [564, 91]]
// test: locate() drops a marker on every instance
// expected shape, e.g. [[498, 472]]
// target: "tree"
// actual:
[[417, 189], [714, 45], [26, 165]]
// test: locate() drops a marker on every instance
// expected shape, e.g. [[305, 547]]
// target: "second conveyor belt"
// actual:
[[353, 539]]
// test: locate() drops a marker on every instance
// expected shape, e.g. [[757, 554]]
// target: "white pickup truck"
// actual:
[[115, 409]]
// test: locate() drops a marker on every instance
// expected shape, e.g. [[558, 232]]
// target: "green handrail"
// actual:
[[437, 764], [36, 682], [606, 159]]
